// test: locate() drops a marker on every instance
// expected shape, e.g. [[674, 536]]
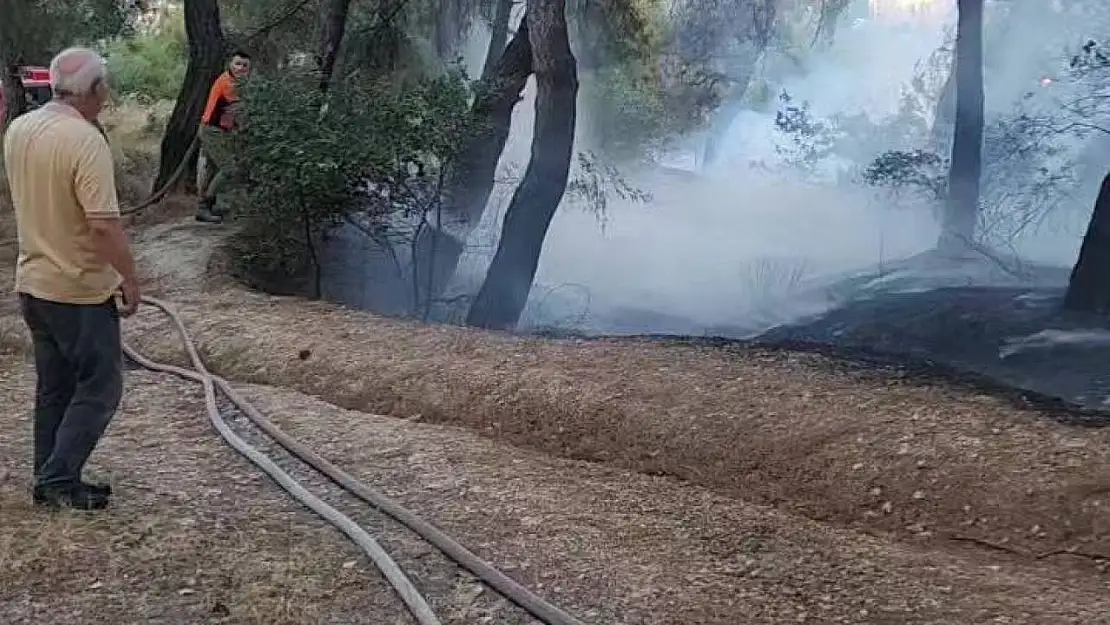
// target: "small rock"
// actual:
[[349, 564], [918, 494], [857, 466], [876, 492], [888, 508], [96, 585], [185, 592]]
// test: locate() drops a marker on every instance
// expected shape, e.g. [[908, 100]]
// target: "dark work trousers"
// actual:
[[79, 362]]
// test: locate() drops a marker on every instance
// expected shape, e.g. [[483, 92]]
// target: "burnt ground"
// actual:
[[987, 324], [1016, 340]]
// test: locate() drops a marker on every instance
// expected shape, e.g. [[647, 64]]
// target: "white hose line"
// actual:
[[518, 594], [408, 593]]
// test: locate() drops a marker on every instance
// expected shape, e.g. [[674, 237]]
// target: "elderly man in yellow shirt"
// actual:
[[73, 259]]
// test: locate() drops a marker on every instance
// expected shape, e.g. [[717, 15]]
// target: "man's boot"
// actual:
[[78, 495], [206, 214]]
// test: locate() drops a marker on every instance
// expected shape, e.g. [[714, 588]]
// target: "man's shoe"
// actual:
[[96, 487], [78, 496], [206, 215]]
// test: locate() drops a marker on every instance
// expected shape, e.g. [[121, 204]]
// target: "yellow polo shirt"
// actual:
[[59, 169]]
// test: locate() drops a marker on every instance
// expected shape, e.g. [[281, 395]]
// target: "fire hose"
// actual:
[[414, 601], [170, 182]]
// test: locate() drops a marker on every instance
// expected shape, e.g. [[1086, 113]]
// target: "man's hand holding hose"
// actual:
[[129, 298]]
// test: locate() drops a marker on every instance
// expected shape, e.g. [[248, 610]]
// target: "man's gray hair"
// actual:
[[77, 72]]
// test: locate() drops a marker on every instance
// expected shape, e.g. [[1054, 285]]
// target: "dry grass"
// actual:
[[197, 536]]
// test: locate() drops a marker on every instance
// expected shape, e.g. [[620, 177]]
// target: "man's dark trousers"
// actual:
[[79, 362]]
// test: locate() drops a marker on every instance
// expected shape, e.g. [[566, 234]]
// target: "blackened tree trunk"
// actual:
[[206, 61], [471, 180], [335, 25], [961, 210], [1089, 287], [504, 293], [499, 35], [491, 114]]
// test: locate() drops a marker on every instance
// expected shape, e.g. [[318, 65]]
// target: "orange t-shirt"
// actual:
[[222, 95]]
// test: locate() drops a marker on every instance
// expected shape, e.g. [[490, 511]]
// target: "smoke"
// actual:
[[751, 241], [742, 244]]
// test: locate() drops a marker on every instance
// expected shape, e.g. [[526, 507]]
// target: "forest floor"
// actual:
[[629, 482]]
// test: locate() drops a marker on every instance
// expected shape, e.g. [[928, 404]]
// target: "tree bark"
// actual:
[[504, 293], [499, 35], [961, 210], [449, 28], [471, 180], [1089, 287], [335, 25], [944, 118], [491, 115], [206, 61], [15, 102]]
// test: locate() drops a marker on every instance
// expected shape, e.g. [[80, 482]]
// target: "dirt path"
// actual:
[[772, 488], [196, 536]]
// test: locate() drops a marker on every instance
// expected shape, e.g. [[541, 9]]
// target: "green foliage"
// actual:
[[150, 65], [627, 112], [33, 32], [917, 171], [312, 164]]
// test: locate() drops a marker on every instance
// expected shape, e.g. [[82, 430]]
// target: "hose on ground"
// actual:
[[408, 593], [518, 594], [174, 177]]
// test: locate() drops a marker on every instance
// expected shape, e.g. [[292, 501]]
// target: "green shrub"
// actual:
[[308, 165], [149, 66]]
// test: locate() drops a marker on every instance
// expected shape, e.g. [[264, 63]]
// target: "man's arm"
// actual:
[[95, 186], [111, 243]]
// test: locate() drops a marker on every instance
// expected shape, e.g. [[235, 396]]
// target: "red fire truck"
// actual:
[[36, 87]]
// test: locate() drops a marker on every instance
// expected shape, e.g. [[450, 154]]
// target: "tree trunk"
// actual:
[[15, 102], [449, 28], [472, 178], [504, 293], [944, 118], [830, 13], [961, 211], [335, 25], [206, 61], [1089, 287], [499, 34]]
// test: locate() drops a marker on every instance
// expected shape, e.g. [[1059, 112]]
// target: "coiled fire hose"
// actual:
[[417, 605]]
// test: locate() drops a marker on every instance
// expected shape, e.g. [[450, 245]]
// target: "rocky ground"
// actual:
[[630, 482]]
